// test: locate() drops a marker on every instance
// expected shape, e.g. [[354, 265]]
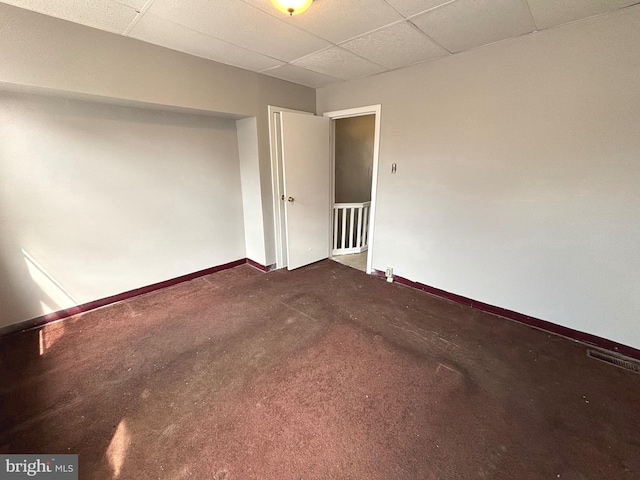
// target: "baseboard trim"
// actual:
[[566, 332], [259, 266], [103, 302], [575, 335]]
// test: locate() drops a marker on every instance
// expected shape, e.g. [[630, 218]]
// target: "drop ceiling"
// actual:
[[333, 41]]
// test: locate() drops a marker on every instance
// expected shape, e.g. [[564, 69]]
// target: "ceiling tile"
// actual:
[[109, 15], [396, 46], [338, 20], [137, 4], [411, 7], [162, 32], [301, 76], [339, 63], [465, 24], [241, 24], [548, 13]]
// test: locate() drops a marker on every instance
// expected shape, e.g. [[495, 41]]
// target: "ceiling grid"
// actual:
[[333, 41]]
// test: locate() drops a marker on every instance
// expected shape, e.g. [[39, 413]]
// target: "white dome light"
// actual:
[[292, 7]]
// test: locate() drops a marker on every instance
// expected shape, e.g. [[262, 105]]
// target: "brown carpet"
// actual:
[[323, 372]]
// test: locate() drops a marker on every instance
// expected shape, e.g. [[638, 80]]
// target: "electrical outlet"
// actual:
[[389, 272]]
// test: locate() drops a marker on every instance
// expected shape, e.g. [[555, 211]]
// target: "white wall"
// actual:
[[518, 173], [44, 52], [251, 191], [354, 158], [98, 199]]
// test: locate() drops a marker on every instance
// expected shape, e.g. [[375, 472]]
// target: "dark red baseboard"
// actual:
[[85, 307], [566, 332], [259, 266], [570, 333]]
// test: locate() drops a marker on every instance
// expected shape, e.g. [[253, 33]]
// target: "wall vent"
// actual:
[[622, 362]]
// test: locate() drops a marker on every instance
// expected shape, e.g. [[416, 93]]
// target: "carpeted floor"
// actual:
[[320, 373]]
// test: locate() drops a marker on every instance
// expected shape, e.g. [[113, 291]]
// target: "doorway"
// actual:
[[368, 212], [286, 200], [353, 143]]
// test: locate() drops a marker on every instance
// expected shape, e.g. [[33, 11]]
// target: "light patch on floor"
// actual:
[[355, 260], [117, 450]]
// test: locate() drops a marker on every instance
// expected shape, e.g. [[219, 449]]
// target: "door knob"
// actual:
[[290, 199]]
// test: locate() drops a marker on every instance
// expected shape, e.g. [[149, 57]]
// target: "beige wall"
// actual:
[[518, 173], [354, 158]]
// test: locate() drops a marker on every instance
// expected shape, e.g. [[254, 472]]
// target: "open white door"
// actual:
[[306, 158]]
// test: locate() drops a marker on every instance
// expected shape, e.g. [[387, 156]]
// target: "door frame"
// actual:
[[358, 112], [278, 220]]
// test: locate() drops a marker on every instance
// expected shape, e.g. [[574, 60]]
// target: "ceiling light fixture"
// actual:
[[292, 7]]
